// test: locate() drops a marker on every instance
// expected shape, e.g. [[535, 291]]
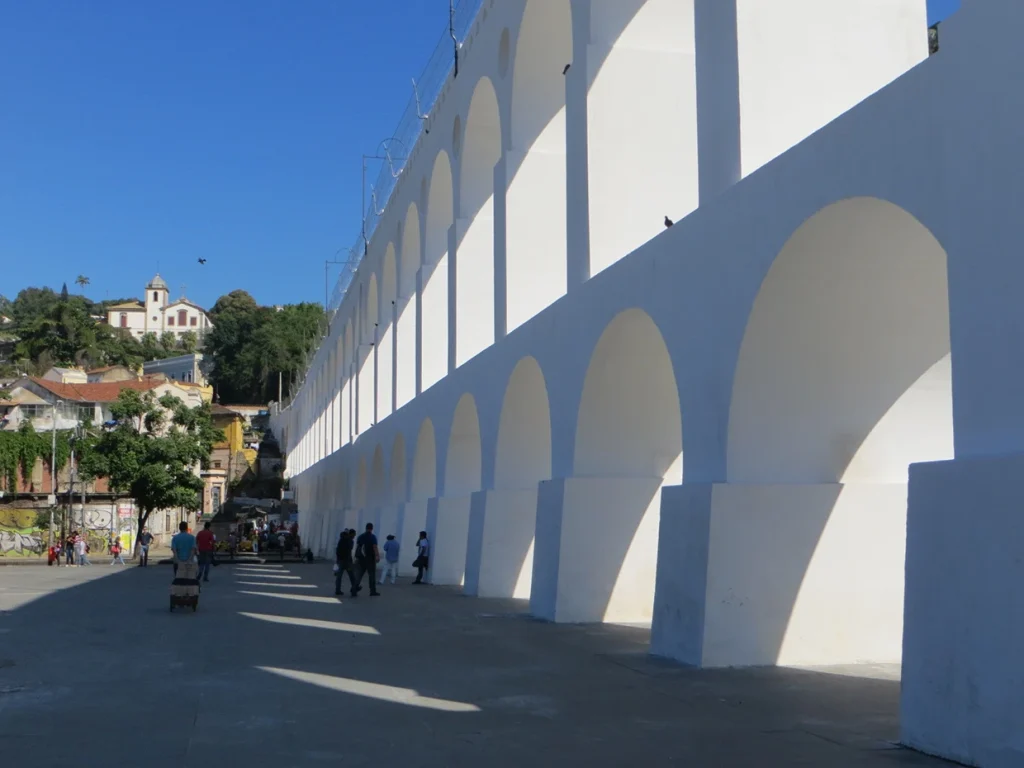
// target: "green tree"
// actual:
[[82, 281], [153, 451], [189, 342], [250, 344]]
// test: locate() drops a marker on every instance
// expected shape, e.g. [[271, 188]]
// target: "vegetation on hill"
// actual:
[[246, 350], [250, 345]]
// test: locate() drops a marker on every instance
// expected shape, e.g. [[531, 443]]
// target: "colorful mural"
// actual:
[[19, 536]]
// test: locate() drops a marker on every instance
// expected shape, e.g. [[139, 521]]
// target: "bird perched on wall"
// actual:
[[668, 222], [202, 261]]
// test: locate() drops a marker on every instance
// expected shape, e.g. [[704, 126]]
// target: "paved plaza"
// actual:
[[274, 671]]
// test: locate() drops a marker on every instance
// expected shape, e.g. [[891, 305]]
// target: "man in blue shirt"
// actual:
[[367, 557], [183, 546]]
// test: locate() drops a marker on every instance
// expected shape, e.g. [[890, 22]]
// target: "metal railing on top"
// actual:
[[425, 91], [397, 148]]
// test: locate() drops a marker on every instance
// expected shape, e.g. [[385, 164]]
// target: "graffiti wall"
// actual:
[[19, 536]]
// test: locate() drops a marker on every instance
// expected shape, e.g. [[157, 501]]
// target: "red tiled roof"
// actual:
[[105, 392]]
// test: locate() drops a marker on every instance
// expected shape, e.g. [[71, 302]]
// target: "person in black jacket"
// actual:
[[343, 561]]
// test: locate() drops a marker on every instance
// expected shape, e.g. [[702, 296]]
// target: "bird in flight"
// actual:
[[566, 70], [202, 261], [668, 222]]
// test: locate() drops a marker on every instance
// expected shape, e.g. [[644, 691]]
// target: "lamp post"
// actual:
[[53, 465]]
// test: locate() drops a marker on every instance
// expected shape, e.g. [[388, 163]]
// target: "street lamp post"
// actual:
[[53, 465]]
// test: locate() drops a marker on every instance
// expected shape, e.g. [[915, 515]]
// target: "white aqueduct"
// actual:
[[708, 428]]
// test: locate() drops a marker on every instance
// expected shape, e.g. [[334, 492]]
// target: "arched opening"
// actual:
[[372, 313], [378, 480], [367, 355], [340, 438], [405, 383], [504, 536], [642, 141], [843, 380], [398, 484], [474, 261], [463, 463], [424, 469], [422, 488], [535, 264], [386, 335], [361, 482], [629, 443], [440, 219], [347, 421], [448, 525]]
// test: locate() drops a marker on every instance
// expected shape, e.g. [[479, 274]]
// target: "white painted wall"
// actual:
[[848, 341]]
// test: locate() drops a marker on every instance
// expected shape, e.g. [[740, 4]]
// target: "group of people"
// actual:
[[74, 548], [357, 556], [186, 548]]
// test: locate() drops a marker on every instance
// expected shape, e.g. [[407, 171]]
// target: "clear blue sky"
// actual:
[[135, 133]]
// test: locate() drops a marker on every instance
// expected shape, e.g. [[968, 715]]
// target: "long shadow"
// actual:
[[446, 682]]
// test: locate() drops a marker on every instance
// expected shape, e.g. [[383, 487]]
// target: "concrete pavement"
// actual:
[[274, 671]]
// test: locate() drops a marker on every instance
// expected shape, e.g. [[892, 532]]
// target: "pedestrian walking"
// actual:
[[422, 561], [206, 544], [367, 557], [183, 546], [69, 549], [145, 540], [82, 551], [115, 550], [343, 562], [391, 548]]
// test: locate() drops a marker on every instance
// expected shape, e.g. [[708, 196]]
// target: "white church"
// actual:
[[157, 314]]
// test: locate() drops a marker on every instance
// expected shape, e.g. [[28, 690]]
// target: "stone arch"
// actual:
[[523, 449], [635, 175], [398, 489], [629, 444], [505, 538], [474, 262], [440, 218], [386, 334], [371, 316], [405, 372], [843, 379], [378, 489], [361, 484], [348, 386], [423, 484], [463, 463], [535, 264]]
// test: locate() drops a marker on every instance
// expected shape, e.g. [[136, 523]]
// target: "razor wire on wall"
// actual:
[[396, 149]]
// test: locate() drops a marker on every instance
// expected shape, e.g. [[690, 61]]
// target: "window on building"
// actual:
[[86, 411], [216, 465], [215, 498], [182, 317], [32, 411], [167, 521], [156, 296], [124, 319], [192, 320], [170, 320], [155, 319]]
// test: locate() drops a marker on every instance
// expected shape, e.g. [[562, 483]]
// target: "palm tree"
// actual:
[[82, 281]]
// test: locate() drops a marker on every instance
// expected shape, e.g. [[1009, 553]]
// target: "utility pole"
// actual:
[[279, 389], [53, 468]]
